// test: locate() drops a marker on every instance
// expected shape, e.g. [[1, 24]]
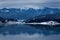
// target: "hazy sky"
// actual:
[[29, 3]]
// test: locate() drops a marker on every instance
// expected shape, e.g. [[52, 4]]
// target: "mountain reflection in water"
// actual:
[[30, 29], [29, 32]]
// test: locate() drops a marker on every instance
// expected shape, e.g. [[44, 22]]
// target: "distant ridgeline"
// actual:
[[30, 10], [17, 13], [26, 13]]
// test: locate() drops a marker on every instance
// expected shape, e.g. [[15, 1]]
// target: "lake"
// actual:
[[29, 32]]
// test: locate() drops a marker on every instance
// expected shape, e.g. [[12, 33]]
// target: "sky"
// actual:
[[29, 3]]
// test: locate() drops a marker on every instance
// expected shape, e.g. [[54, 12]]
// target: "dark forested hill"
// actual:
[[44, 18]]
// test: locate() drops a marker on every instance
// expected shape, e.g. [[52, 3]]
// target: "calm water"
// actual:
[[29, 32]]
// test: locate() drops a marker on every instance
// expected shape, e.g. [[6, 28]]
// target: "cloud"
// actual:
[[29, 3]]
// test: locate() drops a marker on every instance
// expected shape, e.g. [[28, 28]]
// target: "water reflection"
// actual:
[[30, 29], [29, 32]]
